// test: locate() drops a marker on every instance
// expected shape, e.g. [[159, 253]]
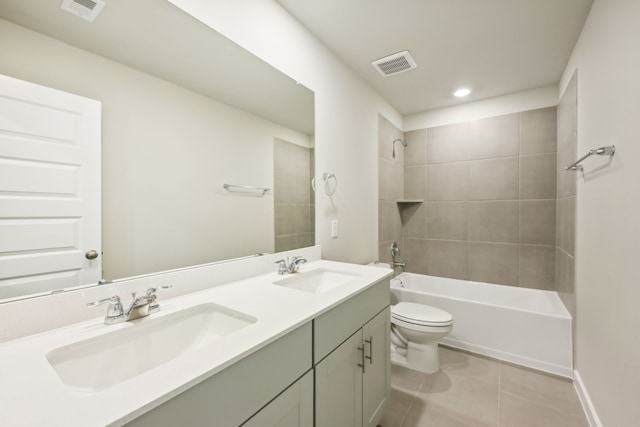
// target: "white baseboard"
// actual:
[[587, 405]]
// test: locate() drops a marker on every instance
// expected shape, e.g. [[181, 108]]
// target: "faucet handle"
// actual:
[[151, 295], [282, 266], [152, 290], [115, 310], [114, 299]]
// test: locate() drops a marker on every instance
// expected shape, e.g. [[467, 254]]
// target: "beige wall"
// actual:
[[166, 152], [608, 201]]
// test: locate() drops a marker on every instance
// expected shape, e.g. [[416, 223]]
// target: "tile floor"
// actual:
[[474, 391]]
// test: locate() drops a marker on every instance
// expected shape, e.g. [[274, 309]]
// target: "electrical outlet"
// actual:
[[334, 228]]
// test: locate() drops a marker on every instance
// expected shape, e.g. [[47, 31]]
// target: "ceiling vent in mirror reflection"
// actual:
[[394, 64], [85, 9]]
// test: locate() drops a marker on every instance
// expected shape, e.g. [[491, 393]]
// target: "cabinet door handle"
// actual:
[[363, 366], [370, 356]]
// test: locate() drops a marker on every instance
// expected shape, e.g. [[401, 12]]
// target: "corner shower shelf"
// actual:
[[403, 202]]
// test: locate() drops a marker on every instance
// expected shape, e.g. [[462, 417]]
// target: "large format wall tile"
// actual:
[[448, 181], [414, 221], [538, 176], [448, 143], [415, 153], [538, 131], [415, 254], [415, 182], [493, 263], [537, 267], [538, 222], [565, 280], [446, 258], [567, 179], [566, 224], [494, 179], [389, 222], [448, 220], [494, 221], [494, 137]]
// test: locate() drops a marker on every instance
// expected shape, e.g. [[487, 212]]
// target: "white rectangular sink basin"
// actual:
[[98, 363], [316, 281]]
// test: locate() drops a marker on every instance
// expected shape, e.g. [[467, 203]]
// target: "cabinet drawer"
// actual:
[[230, 397], [335, 326]]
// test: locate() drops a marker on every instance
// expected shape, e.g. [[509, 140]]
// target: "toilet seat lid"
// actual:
[[421, 314]]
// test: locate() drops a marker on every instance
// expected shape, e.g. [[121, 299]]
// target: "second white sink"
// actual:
[[316, 281], [98, 363]]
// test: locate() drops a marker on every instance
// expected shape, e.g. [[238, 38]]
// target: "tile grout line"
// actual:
[[406, 414]]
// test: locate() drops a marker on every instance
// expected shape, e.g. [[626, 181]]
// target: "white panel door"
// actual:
[[50, 196]]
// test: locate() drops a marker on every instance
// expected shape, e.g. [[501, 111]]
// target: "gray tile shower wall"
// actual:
[[566, 197], [391, 185], [490, 194], [294, 204]]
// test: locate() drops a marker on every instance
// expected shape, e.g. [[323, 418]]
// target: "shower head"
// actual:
[[401, 141]]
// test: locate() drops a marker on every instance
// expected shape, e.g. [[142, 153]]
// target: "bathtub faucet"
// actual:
[[397, 264], [395, 251]]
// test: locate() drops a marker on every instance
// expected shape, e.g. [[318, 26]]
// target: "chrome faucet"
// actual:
[[287, 267], [395, 251], [140, 306]]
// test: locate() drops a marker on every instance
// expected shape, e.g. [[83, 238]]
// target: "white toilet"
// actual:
[[415, 331]]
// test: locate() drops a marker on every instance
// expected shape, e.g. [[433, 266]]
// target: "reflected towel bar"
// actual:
[[245, 189], [602, 151]]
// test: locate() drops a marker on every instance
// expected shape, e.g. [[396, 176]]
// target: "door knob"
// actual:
[[91, 254]]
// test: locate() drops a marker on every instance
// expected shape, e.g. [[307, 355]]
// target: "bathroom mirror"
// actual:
[[184, 112]]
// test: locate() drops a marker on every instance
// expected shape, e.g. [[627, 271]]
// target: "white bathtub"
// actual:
[[529, 327]]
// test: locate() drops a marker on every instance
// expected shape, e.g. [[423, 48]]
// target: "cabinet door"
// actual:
[[292, 408], [339, 385], [376, 377]]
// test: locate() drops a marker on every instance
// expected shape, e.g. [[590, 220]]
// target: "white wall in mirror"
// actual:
[[165, 146]]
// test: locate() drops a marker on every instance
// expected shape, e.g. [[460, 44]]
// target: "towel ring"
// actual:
[[327, 177]]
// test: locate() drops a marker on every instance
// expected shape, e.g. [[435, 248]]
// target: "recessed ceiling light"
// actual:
[[462, 92]]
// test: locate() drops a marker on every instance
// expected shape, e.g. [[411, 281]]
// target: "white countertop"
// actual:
[[33, 395]]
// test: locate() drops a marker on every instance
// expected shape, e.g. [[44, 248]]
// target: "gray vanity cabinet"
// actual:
[[292, 408], [341, 359], [269, 384], [352, 379]]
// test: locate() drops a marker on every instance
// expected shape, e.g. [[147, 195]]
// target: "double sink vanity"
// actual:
[[309, 348]]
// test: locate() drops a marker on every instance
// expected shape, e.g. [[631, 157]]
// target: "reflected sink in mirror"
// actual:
[[98, 363], [316, 281]]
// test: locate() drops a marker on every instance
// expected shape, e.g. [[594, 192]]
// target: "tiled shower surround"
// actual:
[[294, 205], [488, 191], [566, 201]]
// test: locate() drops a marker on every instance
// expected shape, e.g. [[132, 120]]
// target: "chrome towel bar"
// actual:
[[602, 151], [246, 189]]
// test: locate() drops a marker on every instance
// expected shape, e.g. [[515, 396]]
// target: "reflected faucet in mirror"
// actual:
[[140, 306]]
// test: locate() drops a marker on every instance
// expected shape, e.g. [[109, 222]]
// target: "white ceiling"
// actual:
[[494, 47], [158, 38]]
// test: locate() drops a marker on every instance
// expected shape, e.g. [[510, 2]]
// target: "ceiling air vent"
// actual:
[[394, 64], [85, 9]]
